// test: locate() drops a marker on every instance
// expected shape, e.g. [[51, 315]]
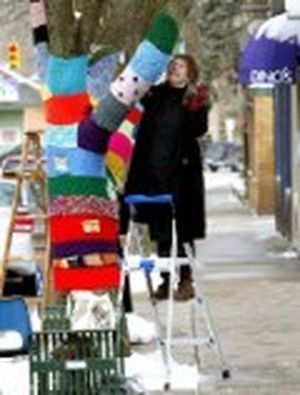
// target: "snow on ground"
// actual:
[[140, 330], [14, 376], [150, 370], [223, 178]]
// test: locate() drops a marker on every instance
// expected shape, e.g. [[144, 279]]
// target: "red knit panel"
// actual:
[[66, 110], [105, 277], [82, 227]]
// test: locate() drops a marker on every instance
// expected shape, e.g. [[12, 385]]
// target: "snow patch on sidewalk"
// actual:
[[14, 376], [140, 330], [150, 371]]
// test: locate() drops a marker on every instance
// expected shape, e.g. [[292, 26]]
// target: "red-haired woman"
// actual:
[[167, 159]]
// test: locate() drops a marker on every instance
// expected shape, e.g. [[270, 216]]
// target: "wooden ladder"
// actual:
[[30, 171]]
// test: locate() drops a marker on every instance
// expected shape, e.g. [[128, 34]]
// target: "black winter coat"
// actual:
[[167, 159]]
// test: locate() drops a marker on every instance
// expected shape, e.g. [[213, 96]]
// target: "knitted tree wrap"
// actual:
[[89, 152]]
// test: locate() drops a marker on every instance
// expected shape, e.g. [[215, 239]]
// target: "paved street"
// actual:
[[252, 284]]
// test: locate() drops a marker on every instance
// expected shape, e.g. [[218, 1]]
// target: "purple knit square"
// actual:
[[80, 248], [92, 137]]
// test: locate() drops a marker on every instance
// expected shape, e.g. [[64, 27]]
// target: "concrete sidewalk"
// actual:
[[253, 289]]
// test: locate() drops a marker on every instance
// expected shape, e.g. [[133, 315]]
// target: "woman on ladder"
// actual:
[[167, 160]]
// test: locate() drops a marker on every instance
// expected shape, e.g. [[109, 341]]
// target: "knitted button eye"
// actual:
[[135, 79], [122, 78], [120, 94]]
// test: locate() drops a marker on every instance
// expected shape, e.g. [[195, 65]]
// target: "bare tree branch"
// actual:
[[114, 23]]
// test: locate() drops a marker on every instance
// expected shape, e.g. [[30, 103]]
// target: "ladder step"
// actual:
[[31, 216], [36, 257]]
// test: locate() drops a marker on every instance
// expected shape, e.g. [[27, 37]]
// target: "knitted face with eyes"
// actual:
[[89, 149]]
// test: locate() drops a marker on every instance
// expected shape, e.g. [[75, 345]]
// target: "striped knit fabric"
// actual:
[[89, 151]]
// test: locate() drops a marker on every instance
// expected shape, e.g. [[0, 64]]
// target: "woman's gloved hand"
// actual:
[[198, 97]]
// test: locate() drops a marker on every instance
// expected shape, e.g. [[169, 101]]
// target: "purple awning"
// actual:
[[271, 55]]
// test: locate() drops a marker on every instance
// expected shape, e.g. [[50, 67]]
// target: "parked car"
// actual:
[[223, 155], [11, 165]]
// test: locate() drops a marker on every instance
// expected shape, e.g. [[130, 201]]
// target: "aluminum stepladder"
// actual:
[[148, 264]]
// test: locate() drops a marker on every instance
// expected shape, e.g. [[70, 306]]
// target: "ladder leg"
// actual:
[[170, 312], [201, 300]]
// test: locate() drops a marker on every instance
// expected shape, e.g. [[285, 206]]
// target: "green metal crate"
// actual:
[[64, 362]]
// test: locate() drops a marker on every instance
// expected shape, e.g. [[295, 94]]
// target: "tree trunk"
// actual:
[[113, 23]]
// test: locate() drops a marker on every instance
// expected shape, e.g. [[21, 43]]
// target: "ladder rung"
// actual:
[[31, 216], [36, 257]]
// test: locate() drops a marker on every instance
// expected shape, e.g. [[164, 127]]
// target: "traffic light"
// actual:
[[14, 55]]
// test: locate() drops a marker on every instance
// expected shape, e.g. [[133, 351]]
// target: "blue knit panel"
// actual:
[[41, 59], [75, 162], [62, 136], [66, 76], [149, 62]]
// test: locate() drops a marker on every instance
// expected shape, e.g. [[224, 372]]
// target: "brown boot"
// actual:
[[185, 291], [162, 292]]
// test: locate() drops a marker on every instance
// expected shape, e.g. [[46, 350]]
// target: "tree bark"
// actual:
[[113, 23]]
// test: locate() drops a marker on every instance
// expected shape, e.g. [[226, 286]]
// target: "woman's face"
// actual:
[[178, 73]]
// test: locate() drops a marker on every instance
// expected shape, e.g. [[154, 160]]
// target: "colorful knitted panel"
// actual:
[[110, 113], [83, 227], [103, 277], [41, 59], [77, 186], [93, 137], [164, 32], [89, 152], [149, 62], [66, 76], [74, 162], [129, 87], [37, 14], [120, 148], [67, 109], [81, 248], [71, 205], [101, 74], [61, 136]]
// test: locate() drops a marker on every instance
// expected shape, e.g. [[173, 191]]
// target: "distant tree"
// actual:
[[220, 24]]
